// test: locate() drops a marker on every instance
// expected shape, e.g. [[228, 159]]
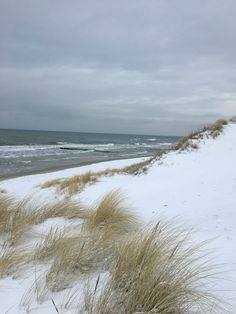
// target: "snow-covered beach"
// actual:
[[195, 186]]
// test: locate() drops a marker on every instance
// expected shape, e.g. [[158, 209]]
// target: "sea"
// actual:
[[26, 151]]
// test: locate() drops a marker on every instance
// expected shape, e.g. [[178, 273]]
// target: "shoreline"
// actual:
[[64, 167]]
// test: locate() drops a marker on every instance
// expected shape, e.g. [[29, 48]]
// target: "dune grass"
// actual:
[[73, 184], [95, 246], [18, 217], [49, 245], [11, 260], [74, 257], [4, 212], [79, 182], [149, 270], [111, 216], [23, 214], [216, 128], [155, 272], [213, 130], [14, 218], [65, 208]]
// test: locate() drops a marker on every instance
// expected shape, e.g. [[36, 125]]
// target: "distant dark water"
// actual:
[[27, 151]]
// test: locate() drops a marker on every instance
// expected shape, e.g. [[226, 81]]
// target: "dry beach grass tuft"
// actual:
[[155, 272], [189, 141], [79, 182]]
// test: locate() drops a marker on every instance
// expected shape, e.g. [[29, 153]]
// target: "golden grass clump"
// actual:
[[14, 218], [51, 183], [49, 246], [183, 143], [71, 255], [65, 208], [156, 273], [5, 203], [73, 184], [79, 256], [217, 128], [25, 214], [17, 217], [22, 215], [138, 168], [11, 260], [189, 141], [77, 183], [93, 248], [111, 216], [75, 256], [212, 130]]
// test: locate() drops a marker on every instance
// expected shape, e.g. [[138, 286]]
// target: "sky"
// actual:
[[128, 66]]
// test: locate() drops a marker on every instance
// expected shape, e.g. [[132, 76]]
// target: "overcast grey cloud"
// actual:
[[132, 66]]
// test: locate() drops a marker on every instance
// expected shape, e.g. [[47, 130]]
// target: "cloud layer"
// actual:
[[129, 66]]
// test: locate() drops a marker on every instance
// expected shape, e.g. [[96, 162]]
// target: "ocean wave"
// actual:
[[152, 145], [21, 148], [33, 147], [25, 161], [166, 144]]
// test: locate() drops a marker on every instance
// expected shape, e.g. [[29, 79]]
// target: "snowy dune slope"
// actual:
[[200, 182], [197, 186]]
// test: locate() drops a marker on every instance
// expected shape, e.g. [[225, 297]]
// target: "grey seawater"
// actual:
[[23, 151]]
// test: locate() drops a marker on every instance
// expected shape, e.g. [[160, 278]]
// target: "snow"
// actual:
[[29, 185], [197, 186]]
